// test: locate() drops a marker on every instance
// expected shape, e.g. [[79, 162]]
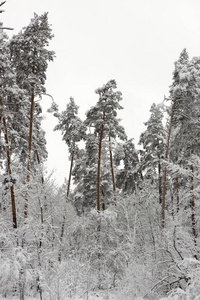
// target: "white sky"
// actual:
[[134, 42]]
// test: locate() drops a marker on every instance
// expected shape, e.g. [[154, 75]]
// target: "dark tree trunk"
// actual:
[[112, 171], [29, 151], [70, 175], [177, 194], [8, 156], [165, 168], [14, 215], [159, 182], [99, 164], [192, 205], [64, 216], [177, 186]]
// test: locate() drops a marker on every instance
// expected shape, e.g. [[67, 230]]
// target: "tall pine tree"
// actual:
[[29, 58]]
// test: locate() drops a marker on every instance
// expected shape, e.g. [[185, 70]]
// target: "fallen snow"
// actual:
[[90, 297]]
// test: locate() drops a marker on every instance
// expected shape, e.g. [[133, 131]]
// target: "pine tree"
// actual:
[[9, 93], [187, 126], [177, 95], [102, 118], [85, 176], [73, 131], [29, 59], [153, 142], [182, 148]]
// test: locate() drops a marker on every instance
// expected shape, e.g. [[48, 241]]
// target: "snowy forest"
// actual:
[[125, 225]]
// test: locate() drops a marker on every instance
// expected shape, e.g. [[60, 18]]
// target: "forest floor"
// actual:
[[85, 297], [74, 298], [92, 296]]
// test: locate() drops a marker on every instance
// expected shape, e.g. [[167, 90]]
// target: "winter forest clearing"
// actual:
[[125, 225]]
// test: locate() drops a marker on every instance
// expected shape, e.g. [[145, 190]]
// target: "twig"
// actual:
[[2, 3]]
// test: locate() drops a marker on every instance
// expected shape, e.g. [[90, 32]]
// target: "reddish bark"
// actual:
[[29, 150]]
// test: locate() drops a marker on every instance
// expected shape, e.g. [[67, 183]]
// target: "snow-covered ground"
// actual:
[[93, 296]]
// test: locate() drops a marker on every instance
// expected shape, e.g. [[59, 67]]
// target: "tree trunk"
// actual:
[[99, 164], [70, 175], [159, 182], [112, 171], [177, 194], [38, 160], [0, 125], [21, 284], [29, 150], [177, 186], [64, 216], [165, 168], [42, 180], [99, 170], [8, 155], [192, 205], [14, 215]]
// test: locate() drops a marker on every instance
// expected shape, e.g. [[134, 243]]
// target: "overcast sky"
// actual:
[[134, 42]]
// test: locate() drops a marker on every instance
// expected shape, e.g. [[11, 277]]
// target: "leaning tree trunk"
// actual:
[[14, 215], [165, 168], [8, 156]]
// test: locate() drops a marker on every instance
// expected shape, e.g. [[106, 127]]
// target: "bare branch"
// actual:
[[2, 3], [49, 96], [7, 28]]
